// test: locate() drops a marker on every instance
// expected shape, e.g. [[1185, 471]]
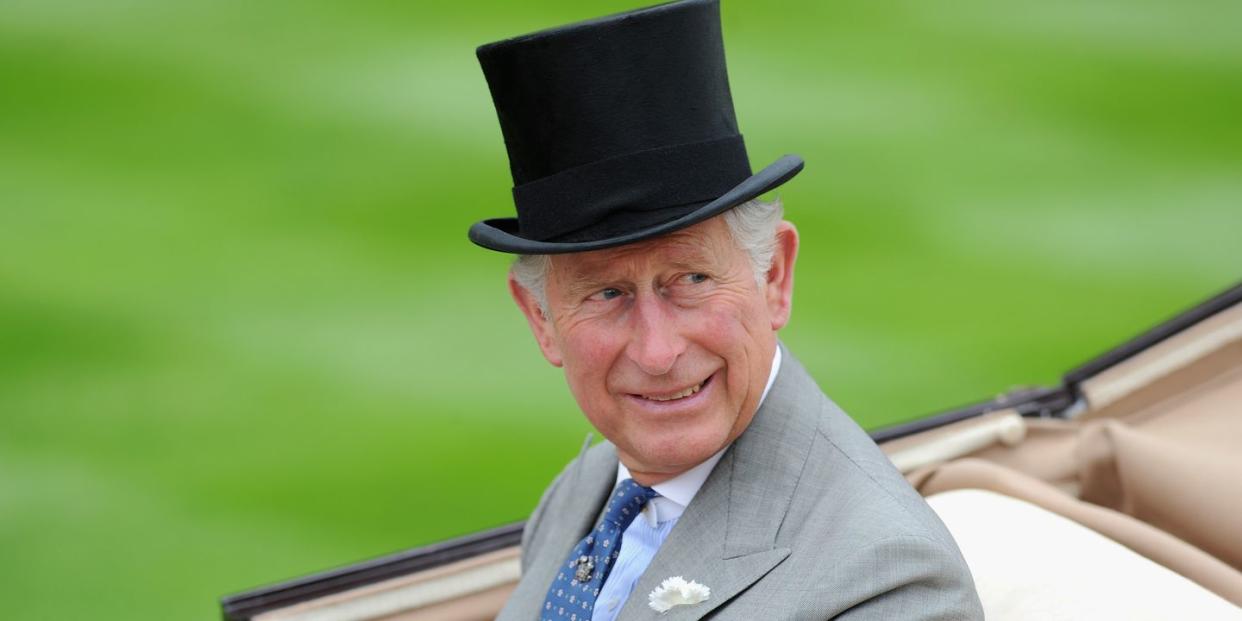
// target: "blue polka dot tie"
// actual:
[[572, 594]]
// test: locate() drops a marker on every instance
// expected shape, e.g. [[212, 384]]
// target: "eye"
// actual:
[[607, 294], [696, 278]]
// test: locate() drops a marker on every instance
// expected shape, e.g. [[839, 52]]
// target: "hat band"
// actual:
[[581, 196]]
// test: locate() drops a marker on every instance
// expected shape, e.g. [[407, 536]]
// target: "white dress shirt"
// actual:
[[643, 537]]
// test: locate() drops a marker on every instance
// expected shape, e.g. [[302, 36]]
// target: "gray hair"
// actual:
[[751, 224]]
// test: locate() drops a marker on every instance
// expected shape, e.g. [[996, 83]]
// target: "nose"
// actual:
[[656, 341]]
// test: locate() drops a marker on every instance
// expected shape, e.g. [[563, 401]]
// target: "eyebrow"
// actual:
[[580, 286], [681, 256]]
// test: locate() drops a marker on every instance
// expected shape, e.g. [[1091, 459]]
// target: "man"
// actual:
[[729, 485]]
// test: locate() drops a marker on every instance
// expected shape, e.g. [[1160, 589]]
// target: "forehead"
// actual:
[[705, 244]]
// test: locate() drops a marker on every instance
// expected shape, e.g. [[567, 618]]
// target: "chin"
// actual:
[[677, 452]]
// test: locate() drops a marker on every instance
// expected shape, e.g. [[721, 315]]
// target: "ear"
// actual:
[[780, 275], [540, 325]]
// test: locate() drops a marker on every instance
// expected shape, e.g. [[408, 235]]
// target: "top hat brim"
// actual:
[[502, 234]]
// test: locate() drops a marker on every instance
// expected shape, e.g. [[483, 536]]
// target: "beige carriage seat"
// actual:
[[1148, 456], [1030, 563], [1192, 492], [1144, 539], [1164, 480]]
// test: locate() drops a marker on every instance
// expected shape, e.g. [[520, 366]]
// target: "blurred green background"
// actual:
[[243, 336]]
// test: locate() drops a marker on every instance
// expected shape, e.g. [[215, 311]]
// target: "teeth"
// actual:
[[681, 395]]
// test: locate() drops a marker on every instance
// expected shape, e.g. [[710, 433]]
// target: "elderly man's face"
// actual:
[[667, 343]]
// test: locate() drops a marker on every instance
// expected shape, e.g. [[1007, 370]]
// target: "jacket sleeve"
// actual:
[[911, 577]]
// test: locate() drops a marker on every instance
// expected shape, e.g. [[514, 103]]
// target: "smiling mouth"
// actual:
[[691, 391]]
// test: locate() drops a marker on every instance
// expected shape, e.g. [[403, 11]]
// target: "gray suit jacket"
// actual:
[[802, 518]]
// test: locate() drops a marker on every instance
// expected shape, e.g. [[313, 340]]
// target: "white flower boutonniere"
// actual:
[[677, 591]]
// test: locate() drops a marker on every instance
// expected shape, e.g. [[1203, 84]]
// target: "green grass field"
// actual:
[[243, 336]]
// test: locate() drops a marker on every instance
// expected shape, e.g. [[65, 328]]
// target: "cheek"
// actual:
[[589, 356], [739, 333], [591, 352], [729, 328]]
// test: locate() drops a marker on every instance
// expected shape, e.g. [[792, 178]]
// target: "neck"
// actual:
[[649, 479]]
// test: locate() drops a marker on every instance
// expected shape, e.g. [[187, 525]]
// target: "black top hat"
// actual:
[[618, 129]]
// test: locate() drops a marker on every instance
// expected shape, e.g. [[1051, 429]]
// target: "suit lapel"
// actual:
[[726, 539], [565, 522], [589, 488], [696, 551]]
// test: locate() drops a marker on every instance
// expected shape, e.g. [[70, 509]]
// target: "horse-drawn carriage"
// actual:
[[1116, 494]]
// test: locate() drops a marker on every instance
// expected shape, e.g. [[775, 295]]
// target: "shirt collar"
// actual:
[[676, 493]]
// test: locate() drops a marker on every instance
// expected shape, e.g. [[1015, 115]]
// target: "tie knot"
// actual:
[[626, 502]]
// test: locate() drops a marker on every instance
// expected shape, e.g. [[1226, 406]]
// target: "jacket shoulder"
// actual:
[[857, 469], [864, 543]]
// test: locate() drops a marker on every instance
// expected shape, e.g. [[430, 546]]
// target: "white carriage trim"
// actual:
[[409, 593]]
